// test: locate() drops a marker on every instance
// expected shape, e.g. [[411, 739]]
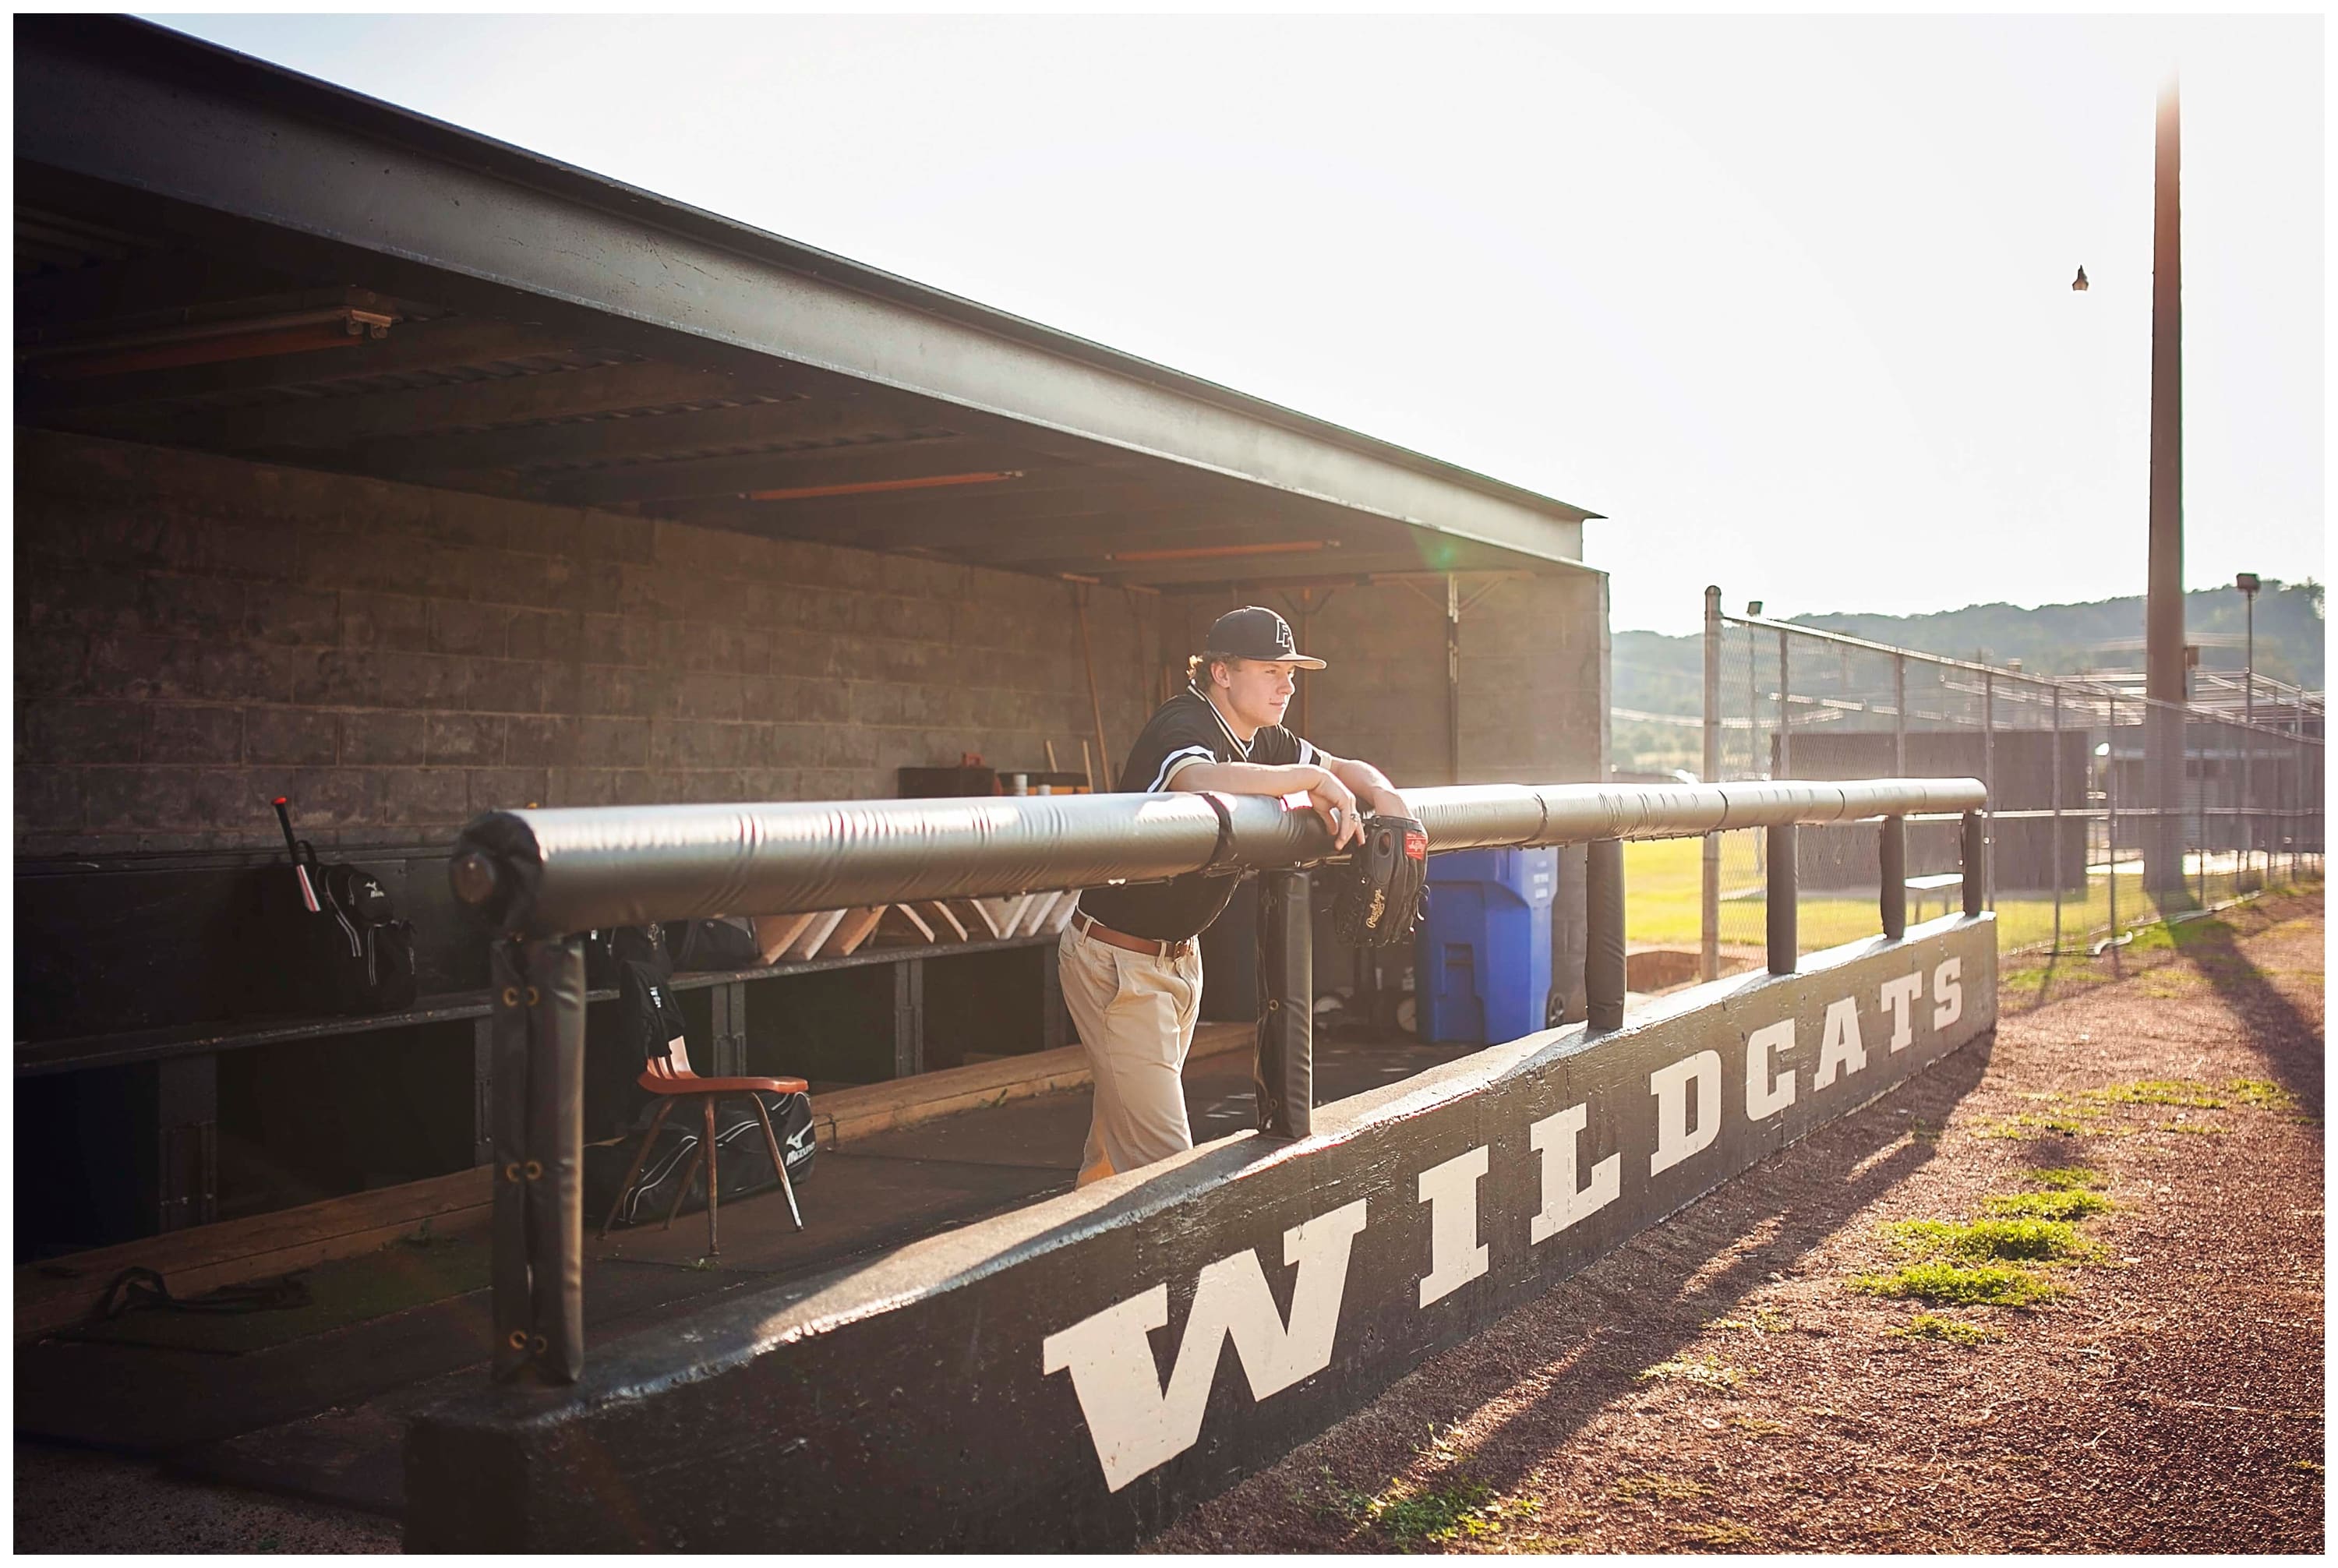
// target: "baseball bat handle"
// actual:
[[292, 848]]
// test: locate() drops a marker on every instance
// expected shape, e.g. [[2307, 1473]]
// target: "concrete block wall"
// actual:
[[196, 635], [1534, 661]]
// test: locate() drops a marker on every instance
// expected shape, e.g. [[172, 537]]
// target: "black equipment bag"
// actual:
[[745, 1161], [714, 944], [336, 944]]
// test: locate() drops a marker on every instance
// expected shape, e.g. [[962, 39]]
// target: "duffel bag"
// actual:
[[745, 1163]]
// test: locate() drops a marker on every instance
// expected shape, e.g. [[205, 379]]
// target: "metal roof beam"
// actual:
[[121, 402], [635, 438], [1162, 524], [876, 463], [147, 110]]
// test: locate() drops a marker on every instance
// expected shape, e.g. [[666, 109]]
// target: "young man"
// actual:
[[1130, 958]]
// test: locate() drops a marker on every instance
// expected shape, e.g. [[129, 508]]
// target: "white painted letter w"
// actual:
[[1134, 1422]]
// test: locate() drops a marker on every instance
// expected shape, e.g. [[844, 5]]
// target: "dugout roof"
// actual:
[[216, 253]]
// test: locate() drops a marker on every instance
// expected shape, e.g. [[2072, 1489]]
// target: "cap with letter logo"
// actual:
[[1255, 632]]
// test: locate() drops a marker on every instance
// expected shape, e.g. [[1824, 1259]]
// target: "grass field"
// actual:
[[1662, 880]]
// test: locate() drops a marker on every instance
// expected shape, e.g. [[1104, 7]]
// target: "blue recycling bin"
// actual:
[[1481, 960]]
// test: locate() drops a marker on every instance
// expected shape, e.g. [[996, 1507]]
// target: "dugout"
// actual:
[[371, 463]]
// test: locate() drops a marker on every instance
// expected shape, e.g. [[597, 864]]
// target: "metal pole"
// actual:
[[536, 1268], [1105, 777], [1786, 719], [1899, 716], [1453, 679], [1976, 864], [2055, 768], [2199, 807], [1784, 949], [1709, 896], [2110, 809], [2249, 718], [1285, 1067], [1988, 775], [2163, 598], [1892, 856], [1603, 971]]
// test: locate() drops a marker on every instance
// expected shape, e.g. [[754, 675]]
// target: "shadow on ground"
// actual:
[[1644, 1303]]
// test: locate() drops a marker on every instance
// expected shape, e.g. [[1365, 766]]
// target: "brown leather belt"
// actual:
[[1087, 926]]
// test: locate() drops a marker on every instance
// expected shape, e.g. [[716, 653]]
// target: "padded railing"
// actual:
[[541, 877], [549, 873]]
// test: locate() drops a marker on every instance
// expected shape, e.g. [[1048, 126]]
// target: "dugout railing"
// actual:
[[540, 878]]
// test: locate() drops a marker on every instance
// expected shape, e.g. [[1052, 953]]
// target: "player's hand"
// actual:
[[1335, 803]]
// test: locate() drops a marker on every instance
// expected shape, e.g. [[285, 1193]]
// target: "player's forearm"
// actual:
[[1248, 778], [1371, 787]]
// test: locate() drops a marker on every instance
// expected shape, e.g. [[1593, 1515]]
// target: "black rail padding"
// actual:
[[1784, 938], [1976, 867], [1603, 977], [537, 1118], [552, 872], [1285, 1071], [513, 1312], [1892, 852]]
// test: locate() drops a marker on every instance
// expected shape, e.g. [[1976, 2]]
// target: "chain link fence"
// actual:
[[2107, 812]]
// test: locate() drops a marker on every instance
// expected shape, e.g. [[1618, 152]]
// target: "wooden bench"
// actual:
[[173, 1143], [1946, 884]]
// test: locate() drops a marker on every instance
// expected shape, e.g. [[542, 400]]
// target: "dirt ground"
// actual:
[[1722, 1383]]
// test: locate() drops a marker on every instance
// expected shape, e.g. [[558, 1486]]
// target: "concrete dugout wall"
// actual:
[[197, 634], [1058, 1378]]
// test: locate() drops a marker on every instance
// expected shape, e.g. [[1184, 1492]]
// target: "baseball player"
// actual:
[[1130, 958]]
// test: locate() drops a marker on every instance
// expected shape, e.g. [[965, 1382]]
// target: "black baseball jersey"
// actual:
[[1185, 730]]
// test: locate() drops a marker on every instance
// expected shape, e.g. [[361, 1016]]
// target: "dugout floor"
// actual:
[[322, 1415]]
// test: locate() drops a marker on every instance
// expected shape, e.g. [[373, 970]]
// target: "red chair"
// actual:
[[672, 1083]]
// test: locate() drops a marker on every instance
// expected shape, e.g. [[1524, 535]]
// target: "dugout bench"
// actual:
[[119, 1127]]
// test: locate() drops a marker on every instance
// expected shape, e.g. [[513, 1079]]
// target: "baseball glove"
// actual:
[[1378, 903]]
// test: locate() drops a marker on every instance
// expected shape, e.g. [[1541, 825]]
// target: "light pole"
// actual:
[[2248, 584]]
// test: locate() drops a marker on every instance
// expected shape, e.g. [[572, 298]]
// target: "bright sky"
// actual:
[[1787, 300]]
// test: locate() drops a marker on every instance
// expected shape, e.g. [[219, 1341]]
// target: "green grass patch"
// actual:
[[1463, 1509], [2069, 1124], [1723, 1537], [1990, 1240], [2065, 1178], [2063, 1206], [2202, 1129], [1701, 1371], [1763, 1319], [2258, 1093], [1934, 1326], [1945, 1283], [2158, 1092]]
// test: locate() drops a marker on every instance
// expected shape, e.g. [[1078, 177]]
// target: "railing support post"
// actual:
[[1285, 1068], [1784, 949], [1976, 863], [1709, 903], [1892, 854], [537, 1268], [1604, 974]]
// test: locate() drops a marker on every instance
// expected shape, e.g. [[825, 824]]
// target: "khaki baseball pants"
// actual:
[[1136, 1013]]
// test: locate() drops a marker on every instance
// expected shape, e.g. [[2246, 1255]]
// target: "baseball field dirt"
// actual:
[[2062, 1293]]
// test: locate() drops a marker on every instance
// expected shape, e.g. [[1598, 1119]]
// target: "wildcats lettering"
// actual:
[[1473, 1226], [1136, 1423]]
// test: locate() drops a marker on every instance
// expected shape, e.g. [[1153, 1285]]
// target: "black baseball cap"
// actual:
[[1255, 632]]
